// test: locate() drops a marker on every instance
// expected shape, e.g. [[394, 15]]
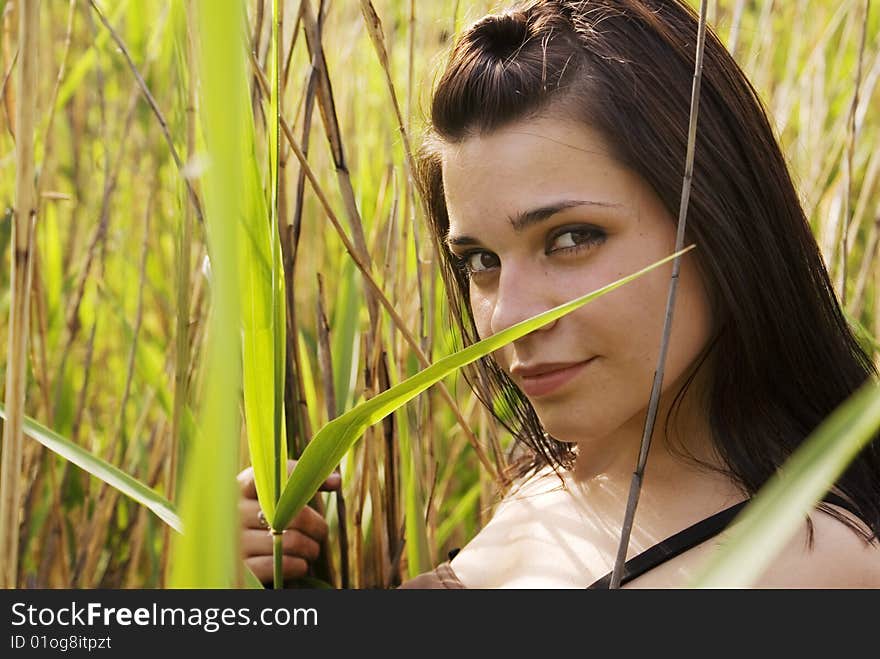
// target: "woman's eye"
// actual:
[[477, 262], [574, 238]]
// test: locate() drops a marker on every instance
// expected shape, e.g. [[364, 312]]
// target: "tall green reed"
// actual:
[[206, 555]]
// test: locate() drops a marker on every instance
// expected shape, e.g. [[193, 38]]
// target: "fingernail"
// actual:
[[334, 479]]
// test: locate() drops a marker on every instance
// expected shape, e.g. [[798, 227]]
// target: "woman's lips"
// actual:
[[545, 383]]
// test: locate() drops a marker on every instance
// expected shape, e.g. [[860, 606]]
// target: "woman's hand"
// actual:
[[301, 540]]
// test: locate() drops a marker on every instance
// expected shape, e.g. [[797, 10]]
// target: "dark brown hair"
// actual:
[[784, 356]]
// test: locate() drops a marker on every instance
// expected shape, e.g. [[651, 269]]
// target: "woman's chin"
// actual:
[[564, 431]]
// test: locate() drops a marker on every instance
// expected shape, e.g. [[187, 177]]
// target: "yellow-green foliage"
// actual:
[[106, 170]]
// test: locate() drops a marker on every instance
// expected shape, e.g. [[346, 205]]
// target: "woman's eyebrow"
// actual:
[[526, 219]]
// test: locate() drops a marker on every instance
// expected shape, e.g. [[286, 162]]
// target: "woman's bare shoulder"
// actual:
[[838, 557], [489, 558]]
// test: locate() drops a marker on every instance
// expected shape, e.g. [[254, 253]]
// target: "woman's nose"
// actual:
[[521, 294]]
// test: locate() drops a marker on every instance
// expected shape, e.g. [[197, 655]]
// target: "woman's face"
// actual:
[[541, 213]]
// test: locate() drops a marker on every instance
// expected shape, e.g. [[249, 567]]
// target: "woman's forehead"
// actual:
[[547, 135], [531, 164]]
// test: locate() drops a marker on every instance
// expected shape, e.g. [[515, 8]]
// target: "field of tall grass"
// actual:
[[148, 141]]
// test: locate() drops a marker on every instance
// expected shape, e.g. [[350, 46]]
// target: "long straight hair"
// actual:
[[783, 357]]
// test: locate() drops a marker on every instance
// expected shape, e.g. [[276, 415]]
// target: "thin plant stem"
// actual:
[[278, 371], [21, 266], [638, 475]]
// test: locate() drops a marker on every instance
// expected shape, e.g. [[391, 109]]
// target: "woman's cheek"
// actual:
[[482, 308]]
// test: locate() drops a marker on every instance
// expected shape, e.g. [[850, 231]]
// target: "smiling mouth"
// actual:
[[542, 384]]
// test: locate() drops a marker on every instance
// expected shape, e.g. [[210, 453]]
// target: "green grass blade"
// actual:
[[251, 581], [334, 440], [344, 338], [207, 555], [763, 528], [417, 555], [103, 470], [262, 338], [309, 383]]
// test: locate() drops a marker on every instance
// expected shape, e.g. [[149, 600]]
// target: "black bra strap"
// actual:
[[673, 546], [687, 539]]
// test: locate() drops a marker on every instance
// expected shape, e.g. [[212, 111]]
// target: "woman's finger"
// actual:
[[296, 543], [310, 522], [246, 483], [263, 567], [256, 543], [249, 511], [293, 543]]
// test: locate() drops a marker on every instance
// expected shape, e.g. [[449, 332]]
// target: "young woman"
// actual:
[[555, 165]]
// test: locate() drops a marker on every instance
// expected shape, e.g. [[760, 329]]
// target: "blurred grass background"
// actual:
[[107, 308]]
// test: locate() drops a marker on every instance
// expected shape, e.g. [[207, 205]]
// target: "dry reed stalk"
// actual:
[[327, 107], [391, 480], [852, 135], [325, 359], [330, 121], [638, 474], [21, 264], [360, 479], [289, 235]]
